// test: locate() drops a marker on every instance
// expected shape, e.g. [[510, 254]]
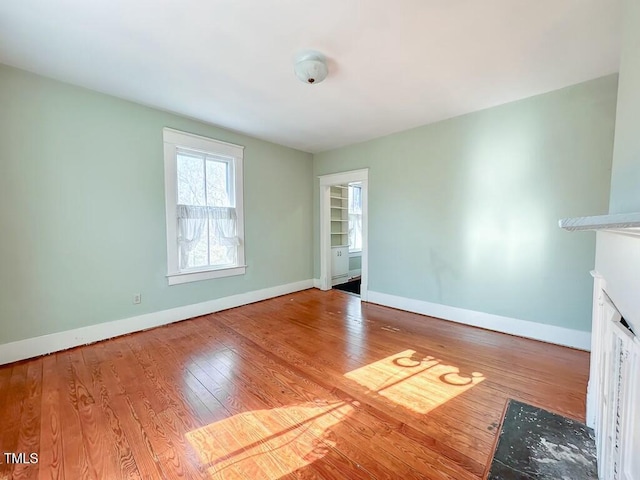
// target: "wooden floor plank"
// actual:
[[50, 454], [104, 391], [29, 436], [15, 396], [312, 385], [100, 449]]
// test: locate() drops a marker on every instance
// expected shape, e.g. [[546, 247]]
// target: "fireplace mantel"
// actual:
[[625, 223]]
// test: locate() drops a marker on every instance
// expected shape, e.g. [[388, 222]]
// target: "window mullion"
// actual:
[[231, 191], [206, 203]]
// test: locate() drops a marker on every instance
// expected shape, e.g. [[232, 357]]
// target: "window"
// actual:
[[355, 217], [203, 189]]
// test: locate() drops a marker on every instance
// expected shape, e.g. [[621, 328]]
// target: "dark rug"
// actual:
[[352, 287], [536, 444]]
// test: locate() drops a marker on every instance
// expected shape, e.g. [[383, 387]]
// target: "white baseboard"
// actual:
[[316, 283], [33, 347], [513, 326]]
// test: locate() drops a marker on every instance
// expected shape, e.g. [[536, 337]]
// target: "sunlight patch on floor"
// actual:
[[268, 444], [417, 382]]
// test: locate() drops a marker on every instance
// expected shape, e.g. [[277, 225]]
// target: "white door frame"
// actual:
[[326, 181]]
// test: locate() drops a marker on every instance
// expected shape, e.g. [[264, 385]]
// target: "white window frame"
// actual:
[[355, 252], [173, 140]]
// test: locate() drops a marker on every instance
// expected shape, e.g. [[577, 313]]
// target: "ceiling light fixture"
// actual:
[[311, 67]]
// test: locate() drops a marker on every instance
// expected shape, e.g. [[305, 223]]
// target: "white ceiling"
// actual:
[[393, 64]]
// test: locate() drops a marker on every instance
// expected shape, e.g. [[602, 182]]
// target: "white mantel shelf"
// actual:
[[626, 223]]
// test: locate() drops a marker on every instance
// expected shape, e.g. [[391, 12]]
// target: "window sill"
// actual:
[[187, 277]]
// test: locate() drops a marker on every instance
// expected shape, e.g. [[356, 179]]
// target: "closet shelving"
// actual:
[[339, 195]]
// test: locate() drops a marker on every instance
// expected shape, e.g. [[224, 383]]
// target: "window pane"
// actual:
[[217, 184], [355, 199], [203, 181], [355, 231], [220, 255], [191, 189], [355, 217]]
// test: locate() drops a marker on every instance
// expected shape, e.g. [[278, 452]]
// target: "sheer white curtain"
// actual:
[[192, 227], [224, 226]]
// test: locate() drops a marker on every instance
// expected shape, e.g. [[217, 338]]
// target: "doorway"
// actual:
[[344, 250], [351, 218]]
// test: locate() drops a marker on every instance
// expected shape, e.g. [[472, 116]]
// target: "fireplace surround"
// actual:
[[613, 395]]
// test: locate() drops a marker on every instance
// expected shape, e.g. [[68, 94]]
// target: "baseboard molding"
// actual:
[[316, 283], [513, 326], [34, 347]]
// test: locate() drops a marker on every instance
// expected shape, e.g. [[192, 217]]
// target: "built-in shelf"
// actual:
[[339, 217], [627, 223], [339, 195]]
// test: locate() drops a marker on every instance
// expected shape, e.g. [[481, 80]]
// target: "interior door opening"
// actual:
[[343, 232], [346, 237]]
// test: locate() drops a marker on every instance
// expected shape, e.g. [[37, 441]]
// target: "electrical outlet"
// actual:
[[137, 298]]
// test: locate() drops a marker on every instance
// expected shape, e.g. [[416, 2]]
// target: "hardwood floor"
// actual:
[[311, 385]]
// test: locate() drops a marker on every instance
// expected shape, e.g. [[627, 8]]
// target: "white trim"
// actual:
[[317, 284], [513, 326], [33, 347], [186, 277], [326, 181], [174, 140], [597, 340], [204, 144], [344, 177]]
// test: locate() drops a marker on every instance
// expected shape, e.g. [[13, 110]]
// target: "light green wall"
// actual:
[[465, 212], [462, 212], [625, 176], [82, 209]]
